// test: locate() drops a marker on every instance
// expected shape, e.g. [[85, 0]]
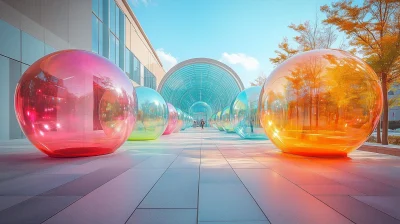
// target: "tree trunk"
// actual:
[[385, 116], [378, 132]]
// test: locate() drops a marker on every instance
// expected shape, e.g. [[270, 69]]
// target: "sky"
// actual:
[[240, 33]]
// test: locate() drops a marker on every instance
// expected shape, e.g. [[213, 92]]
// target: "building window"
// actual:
[[95, 6], [112, 48], [149, 79], [32, 49], [95, 34], [10, 41], [112, 15], [136, 70]]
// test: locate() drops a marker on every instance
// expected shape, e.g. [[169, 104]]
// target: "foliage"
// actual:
[[259, 81], [395, 140], [309, 36], [374, 31]]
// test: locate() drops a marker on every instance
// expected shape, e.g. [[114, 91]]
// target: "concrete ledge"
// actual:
[[393, 150]]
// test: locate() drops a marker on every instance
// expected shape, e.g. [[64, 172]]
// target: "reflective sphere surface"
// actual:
[[179, 123], [184, 119], [172, 119], [75, 103], [152, 116], [244, 116], [226, 120], [218, 121], [321, 103], [213, 122]]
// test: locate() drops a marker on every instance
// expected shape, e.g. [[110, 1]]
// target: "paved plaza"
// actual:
[[196, 176]]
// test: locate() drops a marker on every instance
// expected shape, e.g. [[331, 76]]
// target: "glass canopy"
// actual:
[[200, 79]]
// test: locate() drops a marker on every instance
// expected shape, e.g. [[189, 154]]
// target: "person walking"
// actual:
[[202, 123]]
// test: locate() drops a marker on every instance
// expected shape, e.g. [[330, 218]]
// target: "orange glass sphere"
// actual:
[[321, 103]]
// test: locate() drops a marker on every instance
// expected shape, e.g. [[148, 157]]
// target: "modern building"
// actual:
[[30, 29]]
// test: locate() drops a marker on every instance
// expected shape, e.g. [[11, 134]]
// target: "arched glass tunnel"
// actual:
[[200, 87]]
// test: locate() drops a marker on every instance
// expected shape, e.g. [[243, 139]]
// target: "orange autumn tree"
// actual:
[[374, 31], [284, 52]]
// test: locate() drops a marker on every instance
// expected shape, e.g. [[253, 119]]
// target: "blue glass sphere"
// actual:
[[218, 122], [152, 118], [244, 114], [180, 126], [226, 120]]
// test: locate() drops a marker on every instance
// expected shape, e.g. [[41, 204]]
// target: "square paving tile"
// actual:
[[163, 216]]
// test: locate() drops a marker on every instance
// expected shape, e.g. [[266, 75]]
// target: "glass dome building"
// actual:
[[200, 87]]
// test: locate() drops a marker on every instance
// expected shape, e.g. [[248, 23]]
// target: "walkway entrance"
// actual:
[[201, 85]]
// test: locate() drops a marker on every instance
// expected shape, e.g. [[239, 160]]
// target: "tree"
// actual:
[[259, 81], [309, 37], [374, 30], [284, 52]]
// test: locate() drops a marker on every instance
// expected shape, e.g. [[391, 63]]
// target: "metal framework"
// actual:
[[200, 79]]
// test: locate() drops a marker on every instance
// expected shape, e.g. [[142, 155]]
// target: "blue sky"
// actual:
[[241, 33]]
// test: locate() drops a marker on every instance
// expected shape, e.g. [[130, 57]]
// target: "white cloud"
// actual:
[[167, 59], [248, 62]]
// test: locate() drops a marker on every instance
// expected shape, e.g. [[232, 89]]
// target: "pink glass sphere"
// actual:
[[172, 119], [75, 103]]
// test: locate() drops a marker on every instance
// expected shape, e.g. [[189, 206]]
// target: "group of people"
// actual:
[[202, 123]]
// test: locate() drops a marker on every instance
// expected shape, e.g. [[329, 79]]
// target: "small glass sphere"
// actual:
[[226, 120], [179, 123], [200, 109], [321, 103], [184, 119], [172, 119], [213, 122], [218, 121], [75, 103], [152, 117], [244, 116]]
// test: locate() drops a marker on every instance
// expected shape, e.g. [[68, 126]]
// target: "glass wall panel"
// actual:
[[4, 96], [95, 34], [112, 15], [117, 12], [101, 11], [10, 41], [101, 42], [112, 48], [95, 6], [48, 50], [32, 49], [136, 70], [14, 76], [127, 63], [117, 62]]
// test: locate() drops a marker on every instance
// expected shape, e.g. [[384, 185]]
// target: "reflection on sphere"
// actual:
[[321, 103], [172, 119], [152, 116], [226, 120], [218, 121], [180, 122], [244, 115]]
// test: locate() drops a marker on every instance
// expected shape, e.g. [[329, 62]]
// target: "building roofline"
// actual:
[[201, 60], [141, 29]]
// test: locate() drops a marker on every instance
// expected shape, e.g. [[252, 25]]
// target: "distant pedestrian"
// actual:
[[202, 123], [194, 124]]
